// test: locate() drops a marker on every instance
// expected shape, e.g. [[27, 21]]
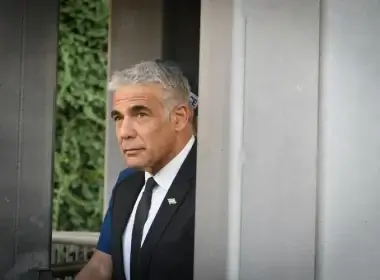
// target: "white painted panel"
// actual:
[[280, 141], [349, 196]]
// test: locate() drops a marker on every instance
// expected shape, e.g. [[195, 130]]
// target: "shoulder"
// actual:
[[125, 173], [126, 191], [121, 180], [127, 178]]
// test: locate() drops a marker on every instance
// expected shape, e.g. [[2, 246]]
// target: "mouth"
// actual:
[[132, 152]]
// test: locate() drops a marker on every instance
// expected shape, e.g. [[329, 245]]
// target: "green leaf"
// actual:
[[80, 115]]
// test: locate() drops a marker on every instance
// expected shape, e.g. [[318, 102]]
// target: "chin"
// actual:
[[135, 163]]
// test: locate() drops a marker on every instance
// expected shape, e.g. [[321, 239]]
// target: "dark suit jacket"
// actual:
[[168, 249]]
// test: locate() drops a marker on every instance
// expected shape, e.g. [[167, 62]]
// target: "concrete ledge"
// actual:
[[76, 238]]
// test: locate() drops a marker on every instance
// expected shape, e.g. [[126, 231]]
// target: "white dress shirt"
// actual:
[[164, 179]]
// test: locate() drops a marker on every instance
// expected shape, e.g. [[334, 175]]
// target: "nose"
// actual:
[[127, 129]]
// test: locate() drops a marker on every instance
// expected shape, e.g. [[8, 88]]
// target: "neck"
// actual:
[[181, 143]]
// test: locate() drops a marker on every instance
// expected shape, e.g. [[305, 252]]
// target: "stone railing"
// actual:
[[71, 251]]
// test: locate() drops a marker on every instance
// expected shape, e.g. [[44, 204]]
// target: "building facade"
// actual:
[[288, 129]]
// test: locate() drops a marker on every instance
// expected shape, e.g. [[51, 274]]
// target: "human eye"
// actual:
[[117, 118], [140, 112], [142, 115]]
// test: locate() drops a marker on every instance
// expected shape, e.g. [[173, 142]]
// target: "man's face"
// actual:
[[144, 130]]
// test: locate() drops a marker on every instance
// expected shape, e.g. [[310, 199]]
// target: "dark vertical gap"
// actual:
[[168, 47], [181, 36]]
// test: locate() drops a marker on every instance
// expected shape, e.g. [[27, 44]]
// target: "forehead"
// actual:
[[145, 93]]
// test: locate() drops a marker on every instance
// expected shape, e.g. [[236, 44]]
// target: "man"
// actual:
[[152, 210]]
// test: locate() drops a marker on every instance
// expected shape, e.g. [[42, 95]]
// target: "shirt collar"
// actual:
[[166, 175]]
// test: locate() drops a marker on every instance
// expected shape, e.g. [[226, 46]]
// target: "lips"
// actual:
[[132, 151]]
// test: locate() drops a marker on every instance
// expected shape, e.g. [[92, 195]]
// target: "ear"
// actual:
[[181, 116]]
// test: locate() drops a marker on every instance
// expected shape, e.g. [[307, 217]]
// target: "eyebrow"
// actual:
[[138, 108], [134, 110], [115, 113]]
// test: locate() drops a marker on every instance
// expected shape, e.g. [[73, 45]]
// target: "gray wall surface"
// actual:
[[280, 141], [348, 242], [28, 63], [212, 235], [289, 140]]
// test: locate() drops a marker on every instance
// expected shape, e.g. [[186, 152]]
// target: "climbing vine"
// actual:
[[80, 115]]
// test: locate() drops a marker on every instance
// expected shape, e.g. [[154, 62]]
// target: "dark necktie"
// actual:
[[138, 227]]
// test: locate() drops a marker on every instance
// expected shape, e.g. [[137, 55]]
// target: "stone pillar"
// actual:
[[28, 63]]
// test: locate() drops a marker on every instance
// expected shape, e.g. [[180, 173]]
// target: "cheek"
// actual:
[[155, 135]]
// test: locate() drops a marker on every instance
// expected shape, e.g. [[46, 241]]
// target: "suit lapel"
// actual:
[[124, 200], [181, 185]]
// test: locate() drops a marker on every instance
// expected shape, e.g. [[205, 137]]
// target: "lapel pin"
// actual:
[[172, 201]]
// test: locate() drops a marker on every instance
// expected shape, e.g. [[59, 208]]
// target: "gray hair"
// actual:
[[169, 76]]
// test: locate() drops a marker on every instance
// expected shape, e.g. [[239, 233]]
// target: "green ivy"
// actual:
[[80, 119]]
